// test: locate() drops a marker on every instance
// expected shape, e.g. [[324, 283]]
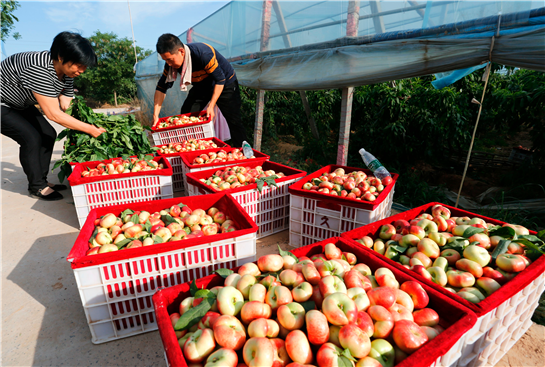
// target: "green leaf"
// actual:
[[167, 219], [344, 362], [157, 239], [533, 251], [501, 248], [260, 184], [204, 293], [308, 305], [470, 231], [193, 288], [194, 315], [126, 212], [530, 237], [399, 248], [93, 236], [328, 266], [505, 232], [135, 219], [123, 243], [287, 253], [541, 234], [147, 226], [346, 354], [224, 273]]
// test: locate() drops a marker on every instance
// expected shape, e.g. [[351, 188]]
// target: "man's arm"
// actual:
[[51, 109], [158, 100], [215, 95]]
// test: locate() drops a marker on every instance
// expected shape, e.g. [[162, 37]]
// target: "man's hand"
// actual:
[[210, 112]]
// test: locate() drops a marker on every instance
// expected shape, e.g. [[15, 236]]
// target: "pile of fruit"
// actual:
[[465, 255], [354, 185], [274, 311], [180, 120], [141, 228], [190, 145], [119, 165], [220, 156], [233, 177]]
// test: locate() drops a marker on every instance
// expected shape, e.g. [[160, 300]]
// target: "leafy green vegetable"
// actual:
[[124, 136]]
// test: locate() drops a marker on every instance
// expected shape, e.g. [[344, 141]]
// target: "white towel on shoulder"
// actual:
[[186, 71]]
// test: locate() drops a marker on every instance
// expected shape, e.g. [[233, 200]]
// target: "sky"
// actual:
[[40, 21]]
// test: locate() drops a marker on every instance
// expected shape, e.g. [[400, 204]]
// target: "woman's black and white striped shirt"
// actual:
[[27, 72]]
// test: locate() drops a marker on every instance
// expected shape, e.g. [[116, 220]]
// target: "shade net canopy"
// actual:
[[309, 45]]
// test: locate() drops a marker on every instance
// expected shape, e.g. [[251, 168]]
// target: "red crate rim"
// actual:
[[422, 357], [297, 189], [219, 143], [158, 130], [508, 290], [291, 173], [224, 202], [188, 157], [75, 177]]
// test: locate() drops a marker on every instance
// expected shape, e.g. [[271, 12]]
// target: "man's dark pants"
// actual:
[[229, 104]]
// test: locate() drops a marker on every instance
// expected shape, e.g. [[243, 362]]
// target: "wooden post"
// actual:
[[353, 18], [260, 101], [258, 128], [115, 98], [344, 130]]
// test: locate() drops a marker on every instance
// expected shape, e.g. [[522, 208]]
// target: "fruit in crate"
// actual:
[[133, 229], [354, 185], [190, 145], [468, 256], [180, 120], [238, 176], [220, 156], [274, 328], [120, 165]]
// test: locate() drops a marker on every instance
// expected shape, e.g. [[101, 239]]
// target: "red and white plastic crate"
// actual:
[[503, 317], [198, 130], [175, 160], [315, 216], [188, 166], [124, 188], [268, 208], [444, 350], [116, 287]]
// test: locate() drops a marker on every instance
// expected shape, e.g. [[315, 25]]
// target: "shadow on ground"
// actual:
[[63, 337]]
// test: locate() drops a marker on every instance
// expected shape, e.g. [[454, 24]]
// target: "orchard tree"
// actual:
[[8, 19], [113, 78]]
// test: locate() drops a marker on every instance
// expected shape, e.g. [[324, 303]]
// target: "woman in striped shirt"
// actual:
[[44, 78]]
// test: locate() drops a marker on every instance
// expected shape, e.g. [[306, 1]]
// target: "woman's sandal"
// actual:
[[54, 196]]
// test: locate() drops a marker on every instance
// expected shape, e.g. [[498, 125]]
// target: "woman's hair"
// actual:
[[168, 43], [72, 47]]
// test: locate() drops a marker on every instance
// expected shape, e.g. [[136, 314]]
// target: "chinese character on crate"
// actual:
[[336, 199], [494, 268], [325, 304]]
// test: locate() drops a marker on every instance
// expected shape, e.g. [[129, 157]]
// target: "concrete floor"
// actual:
[[43, 322]]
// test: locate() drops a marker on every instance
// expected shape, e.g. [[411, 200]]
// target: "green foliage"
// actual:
[[114, 71], [8, 19], [124, 136]]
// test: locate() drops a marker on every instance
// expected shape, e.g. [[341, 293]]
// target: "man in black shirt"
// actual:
[[212, 78]]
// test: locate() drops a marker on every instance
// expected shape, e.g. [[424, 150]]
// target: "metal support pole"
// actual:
[[377, 21], [258, 128], [344, 130]]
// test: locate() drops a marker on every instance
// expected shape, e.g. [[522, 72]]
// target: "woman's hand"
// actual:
[[64, 102], [96, 131]]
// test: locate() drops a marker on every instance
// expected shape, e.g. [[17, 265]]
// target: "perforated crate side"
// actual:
[[116, 295], [184, 133], [312, 221], [119, 191], [185, 169], [177, 173]]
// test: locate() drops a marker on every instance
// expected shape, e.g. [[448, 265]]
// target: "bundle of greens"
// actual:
[[124, 136]]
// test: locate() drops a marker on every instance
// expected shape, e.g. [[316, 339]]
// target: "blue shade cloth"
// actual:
[[308, 49], [445, 79]]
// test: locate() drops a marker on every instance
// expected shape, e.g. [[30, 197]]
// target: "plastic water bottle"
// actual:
[[247, 149], [374, 165]]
